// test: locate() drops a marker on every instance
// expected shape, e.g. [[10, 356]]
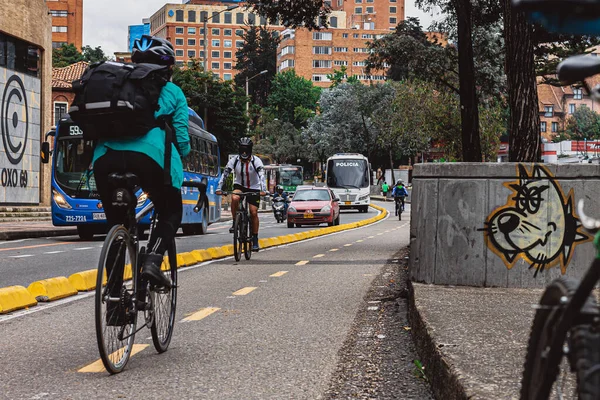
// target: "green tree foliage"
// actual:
[[223, 103], [583, 124], [282, 141], [309, 14], [339, 76], [288, 92], [65, 55], [93, 55], [258, 54]]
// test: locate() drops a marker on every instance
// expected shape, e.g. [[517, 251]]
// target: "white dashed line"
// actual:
[[54, 252], [83, 248], [23, 256]]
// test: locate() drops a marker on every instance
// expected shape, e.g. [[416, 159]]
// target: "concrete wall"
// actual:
[[486, 224], [28, 20]]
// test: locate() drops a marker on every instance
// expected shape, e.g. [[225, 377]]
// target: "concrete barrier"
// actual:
[[496, 224], [51, 289], [15, 298], [84, 281]]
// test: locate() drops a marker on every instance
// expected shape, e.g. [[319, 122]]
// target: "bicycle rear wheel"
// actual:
[[248, 237], [115, 312], [238, 237], [542, 364], [165, 302]]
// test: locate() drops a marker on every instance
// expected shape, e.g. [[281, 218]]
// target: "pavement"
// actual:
[[472, 341]]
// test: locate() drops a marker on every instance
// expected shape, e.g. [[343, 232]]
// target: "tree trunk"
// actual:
[[524, 124], [392, 183], [469, 113]]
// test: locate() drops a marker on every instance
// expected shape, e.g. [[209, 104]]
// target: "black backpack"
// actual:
[[115, 100]]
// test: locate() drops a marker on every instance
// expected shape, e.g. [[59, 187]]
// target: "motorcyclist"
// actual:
[[399, 193], [279, 192]]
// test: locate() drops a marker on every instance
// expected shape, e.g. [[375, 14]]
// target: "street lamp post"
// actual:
[[248, 98], [205, 58]]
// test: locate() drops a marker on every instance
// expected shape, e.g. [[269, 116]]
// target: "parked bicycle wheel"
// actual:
[[114, 309], [248, 239], [238, 237], [165, 302], [542, 364]]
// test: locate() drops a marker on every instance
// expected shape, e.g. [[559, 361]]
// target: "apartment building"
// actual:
[[558, 103], [67, 22]]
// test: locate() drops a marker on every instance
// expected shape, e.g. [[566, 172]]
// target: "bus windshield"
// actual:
[[291, 176], [73, 157], [347, 173]]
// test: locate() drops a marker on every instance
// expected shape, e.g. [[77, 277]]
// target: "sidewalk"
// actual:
[[472, 341]]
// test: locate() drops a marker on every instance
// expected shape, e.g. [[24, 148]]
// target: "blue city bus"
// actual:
[[75, 201]]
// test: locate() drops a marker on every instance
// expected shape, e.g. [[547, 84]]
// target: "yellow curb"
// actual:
[[276, 241], [297, 237], [227, 249], [264, 243], [15, 298], [303, 235], [52, 289], [202, 255], [84, 280], [187, 258], [216, 252], [285, 239]]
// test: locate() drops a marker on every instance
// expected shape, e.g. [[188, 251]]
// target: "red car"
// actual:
[[313, 206]]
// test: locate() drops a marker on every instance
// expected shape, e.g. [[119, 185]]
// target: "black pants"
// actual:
[[166, 199]]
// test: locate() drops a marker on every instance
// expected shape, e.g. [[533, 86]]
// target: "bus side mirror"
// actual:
[[45, 152]]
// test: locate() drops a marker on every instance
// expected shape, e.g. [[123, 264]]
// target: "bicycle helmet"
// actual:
[[279, 189], [399, 182], [153, 50], [245, 148]]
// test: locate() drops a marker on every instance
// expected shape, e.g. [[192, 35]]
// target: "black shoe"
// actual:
[[232, 229], [151, 263], [255, 246]]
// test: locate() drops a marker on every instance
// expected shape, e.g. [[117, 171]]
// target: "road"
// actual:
[[29, 260], [283, 338]]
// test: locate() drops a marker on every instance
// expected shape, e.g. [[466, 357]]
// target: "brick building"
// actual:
[[558, 103], [67, 22], [62, 88], [25, 76]]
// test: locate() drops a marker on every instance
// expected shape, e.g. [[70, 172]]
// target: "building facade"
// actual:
[[67, 22], [25, 82]]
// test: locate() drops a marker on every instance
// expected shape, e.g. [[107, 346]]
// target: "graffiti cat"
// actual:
[[538, 223]]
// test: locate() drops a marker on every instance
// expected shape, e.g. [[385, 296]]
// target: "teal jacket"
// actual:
[[172, 102]]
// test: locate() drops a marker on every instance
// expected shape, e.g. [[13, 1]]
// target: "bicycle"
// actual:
[[399, 206], [120, 290], [242, 227]]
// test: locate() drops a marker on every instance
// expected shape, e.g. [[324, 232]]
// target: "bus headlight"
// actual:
[[60, 200], [142, 199]]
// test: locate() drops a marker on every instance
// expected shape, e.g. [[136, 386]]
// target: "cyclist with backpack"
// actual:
[[146, 155], [249, 176], [399, 193]]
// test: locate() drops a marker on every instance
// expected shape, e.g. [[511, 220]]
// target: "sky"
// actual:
[[105, 22]]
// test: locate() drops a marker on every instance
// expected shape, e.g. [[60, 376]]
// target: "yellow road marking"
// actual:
[[244, 291], [35, 246], [278, 274], [202, 313], [318, 256], [359, 240], [348, 245], [97, 366], [334, 250], [302, 263]]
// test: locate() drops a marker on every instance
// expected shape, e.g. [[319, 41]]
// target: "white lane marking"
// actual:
[[54, 252], [319, 256], [83, 248], [23, 256], [13, 241]]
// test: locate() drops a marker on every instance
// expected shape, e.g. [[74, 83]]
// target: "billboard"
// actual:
[[20, 130]]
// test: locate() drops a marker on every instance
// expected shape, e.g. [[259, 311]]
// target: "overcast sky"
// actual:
[[105, 22]]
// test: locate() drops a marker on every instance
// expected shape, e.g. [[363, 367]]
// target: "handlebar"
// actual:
[[577, 68], [202, 198]]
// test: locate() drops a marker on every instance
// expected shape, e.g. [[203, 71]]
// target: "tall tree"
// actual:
[[93, 55], [583, 124], [290, 91], [224, 103], [66, 55], [311, 14]]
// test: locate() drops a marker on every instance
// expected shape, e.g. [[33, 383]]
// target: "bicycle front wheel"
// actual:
[[238, 237], [115, 312], [165, 302], [248, 237], [542, 363]]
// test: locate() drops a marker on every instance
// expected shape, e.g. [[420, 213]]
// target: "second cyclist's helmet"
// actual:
[[279, 189], [153, 50], [399, 182], [245, 148]]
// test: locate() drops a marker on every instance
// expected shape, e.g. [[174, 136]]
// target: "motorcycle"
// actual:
[[279, 210]]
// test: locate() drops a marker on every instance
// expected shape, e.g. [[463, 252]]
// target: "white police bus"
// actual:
[[348, 176]]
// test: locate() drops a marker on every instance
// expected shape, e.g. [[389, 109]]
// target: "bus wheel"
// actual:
[[202, 228], [85, 233]]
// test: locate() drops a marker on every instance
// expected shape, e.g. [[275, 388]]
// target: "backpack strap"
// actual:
[[165, 123]]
